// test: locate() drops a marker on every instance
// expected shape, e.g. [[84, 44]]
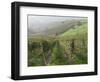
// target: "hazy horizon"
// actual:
[[39, 23]]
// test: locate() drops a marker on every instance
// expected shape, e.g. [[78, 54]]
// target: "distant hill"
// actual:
[[57, 28]]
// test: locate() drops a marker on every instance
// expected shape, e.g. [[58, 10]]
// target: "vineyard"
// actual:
[[67, 48]]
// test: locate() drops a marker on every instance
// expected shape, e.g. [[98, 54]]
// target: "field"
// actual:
[[67, 47]]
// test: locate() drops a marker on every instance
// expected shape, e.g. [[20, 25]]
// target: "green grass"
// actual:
[[75, 33]]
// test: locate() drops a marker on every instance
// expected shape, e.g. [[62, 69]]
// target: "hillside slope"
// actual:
[[69, 47], [75, 33]]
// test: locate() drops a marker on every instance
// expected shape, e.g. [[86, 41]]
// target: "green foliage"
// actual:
[[66, 48], [57, 58], [75, 33]]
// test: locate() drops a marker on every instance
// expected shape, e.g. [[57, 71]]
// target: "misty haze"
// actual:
[[57, 40]]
